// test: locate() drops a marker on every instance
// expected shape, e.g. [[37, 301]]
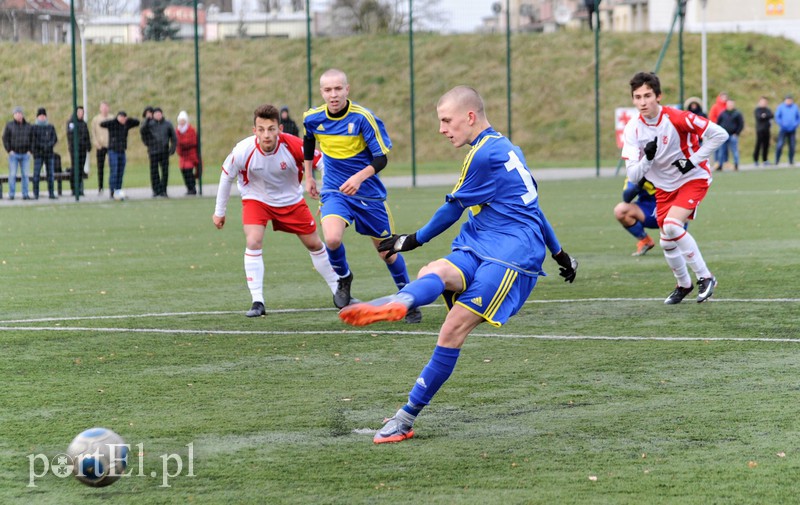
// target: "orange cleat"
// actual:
[[393, 431], [643, 246], [388, 308]]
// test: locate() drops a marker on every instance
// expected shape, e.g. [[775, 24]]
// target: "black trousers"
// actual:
[[159, 178], [188, 179], [762, 145], [79, 167], [101, 164]]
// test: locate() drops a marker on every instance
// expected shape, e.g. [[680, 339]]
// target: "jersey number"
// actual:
[[514, 163]]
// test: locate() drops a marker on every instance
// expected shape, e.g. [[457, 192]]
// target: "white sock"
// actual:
[[677, 263], [690, 251], [323, 266], [254, 271]]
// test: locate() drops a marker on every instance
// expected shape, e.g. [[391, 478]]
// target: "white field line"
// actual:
[[373, 331], [376, 332], [326, 309]]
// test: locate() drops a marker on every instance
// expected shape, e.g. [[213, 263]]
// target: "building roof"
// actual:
[[32, 6]]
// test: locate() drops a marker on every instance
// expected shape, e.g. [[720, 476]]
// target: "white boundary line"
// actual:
[[374, 331], [326, 309], [395, 332]]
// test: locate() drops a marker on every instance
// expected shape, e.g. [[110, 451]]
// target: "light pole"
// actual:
[[704, 63], [82, 22]]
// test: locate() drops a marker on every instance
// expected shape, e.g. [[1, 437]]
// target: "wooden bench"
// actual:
[[59, 177]]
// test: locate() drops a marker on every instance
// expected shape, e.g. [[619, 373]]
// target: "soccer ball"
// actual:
[[120, 196], [99, 457]]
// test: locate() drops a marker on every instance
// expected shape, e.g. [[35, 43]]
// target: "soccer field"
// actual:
[[130, 316]]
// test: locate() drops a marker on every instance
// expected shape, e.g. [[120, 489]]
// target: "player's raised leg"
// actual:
[[397, 268], [423, 291]]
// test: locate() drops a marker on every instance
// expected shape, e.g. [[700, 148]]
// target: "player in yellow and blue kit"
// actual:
[[638, 215], [354, 145], [495, 260]]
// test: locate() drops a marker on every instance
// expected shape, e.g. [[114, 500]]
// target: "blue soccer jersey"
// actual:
[[348, 144], [504, 225]]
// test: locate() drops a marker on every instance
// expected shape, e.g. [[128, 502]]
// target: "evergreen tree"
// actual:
[[159, 27]]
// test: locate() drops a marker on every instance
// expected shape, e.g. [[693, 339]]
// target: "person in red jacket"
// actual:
[[713, 116], [188, 159], [718, 107]]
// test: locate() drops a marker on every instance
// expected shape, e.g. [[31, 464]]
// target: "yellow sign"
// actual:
[[775, 7]]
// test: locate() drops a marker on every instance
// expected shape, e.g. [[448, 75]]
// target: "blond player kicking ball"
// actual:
[[268, 169], [663, 145]]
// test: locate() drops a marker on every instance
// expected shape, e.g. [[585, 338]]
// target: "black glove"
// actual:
[[568, 266], [398, 243], [650, 149], [683, 165]]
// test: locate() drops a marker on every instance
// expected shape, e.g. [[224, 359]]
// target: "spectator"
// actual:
[[17, 141], [763, 116], [44, 140], [188, 159], [159, 136], [287, 123], [84, 146], [732, 121], [117, 145], [147, 140], [100, 141], [718, 107], [713, 115], [694, 105], [787, 117]]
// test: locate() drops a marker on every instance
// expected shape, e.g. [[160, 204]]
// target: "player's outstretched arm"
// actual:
[[568, 267], [398, 243], [442, 219]]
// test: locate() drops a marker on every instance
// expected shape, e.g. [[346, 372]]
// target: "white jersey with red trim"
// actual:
[[678, 135], [272, 178]]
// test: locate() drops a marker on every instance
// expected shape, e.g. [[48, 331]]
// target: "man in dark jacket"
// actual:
[[44, 140], [17, 140], [763, 116], [161, 144], [287, 123], [733, 122], [76, 123], [117, 145]]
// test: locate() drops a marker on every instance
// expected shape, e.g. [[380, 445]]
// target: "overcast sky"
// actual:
[[466, 15]]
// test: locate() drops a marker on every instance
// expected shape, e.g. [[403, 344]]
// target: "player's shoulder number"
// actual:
[[515, 164]]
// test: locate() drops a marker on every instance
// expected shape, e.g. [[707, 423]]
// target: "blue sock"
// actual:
[[424, 290], [637, 230], [435, 373], [398, 271], [338, 260]]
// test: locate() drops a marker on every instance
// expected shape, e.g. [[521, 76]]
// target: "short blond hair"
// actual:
[[467, 98]]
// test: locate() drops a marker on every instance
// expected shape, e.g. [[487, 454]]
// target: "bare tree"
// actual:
[[105, 7], [384, 16]]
